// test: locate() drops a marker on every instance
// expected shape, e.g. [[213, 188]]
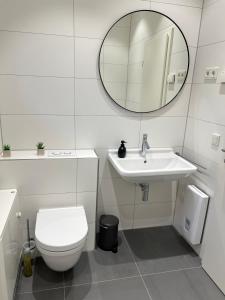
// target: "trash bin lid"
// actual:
[[109, 220]]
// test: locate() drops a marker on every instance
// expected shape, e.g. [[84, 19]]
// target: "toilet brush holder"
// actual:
[[28, 255]]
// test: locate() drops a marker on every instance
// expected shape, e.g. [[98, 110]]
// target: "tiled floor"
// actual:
[[152, 264]]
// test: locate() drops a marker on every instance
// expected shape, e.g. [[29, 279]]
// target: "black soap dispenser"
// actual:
[[122, 150]]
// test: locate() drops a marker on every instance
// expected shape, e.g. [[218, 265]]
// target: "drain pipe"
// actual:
[[145, 190]]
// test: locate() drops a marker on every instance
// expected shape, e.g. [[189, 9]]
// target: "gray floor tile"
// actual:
[[100, 265], [183, 285], [125, 289], [160, 249], [57, 294], [43, 278]]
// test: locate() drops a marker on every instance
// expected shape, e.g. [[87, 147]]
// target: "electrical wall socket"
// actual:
[[181, 74], [211, 73]]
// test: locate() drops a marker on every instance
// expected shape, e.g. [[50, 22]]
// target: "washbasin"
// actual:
[[159, 164]]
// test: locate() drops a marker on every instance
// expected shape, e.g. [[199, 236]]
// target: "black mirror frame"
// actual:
[[102, 44]]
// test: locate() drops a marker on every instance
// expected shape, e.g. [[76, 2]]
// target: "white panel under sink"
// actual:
[[10, 243]]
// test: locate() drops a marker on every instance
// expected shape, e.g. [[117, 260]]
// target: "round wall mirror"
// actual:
[[144, 61]]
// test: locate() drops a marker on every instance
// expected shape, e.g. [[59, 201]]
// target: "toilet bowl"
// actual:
[[60, 235]]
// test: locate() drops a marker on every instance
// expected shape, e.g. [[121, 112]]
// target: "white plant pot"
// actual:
[[40, 151], [6, 153]]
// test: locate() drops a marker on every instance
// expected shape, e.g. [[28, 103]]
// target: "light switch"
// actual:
[[171, 78], [215, 139]]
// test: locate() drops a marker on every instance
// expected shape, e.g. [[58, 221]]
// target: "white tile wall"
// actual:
[[48, 65], [106, 131], [179, 14], [86, 57], [206, 117], [87, 175], [211, 32], [94, 18], [37, 16], [154, 214], [36, 95], [36, 54], [39, 176], [161, 131], [24, 131], [193, 3]]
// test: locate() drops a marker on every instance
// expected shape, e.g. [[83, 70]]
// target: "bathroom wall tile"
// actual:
[[106, 132], [94, 100], [36, 95], [87, 170], [115, 192], [86, 57], [24, 131], [181, 15], [198, 140], [193, 3], [158, 192], [106, 170], [88, 201], [37, 16], [212, 34], [204, 98], [36, 54], [208, 56], [91, 22], [30, 204], [30, 177], [90, 243], [164, 131], [123, 212], [154, 214]]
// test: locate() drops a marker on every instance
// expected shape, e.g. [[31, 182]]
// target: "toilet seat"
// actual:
[[61, 229]]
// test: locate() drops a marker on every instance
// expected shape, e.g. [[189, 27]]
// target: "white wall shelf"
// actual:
[[50, 154]]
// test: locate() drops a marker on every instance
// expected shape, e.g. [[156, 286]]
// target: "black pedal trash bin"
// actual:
[[108, 233]]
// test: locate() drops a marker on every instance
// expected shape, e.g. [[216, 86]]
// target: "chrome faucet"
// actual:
[[145, 146]]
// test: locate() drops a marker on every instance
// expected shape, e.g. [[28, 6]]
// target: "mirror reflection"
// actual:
[[143, 61]]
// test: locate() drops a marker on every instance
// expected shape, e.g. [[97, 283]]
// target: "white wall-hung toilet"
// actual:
[[60, 235]]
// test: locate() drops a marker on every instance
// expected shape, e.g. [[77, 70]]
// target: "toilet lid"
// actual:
[[61, 229]]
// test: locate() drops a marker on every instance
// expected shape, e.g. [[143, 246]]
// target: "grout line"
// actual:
[[211, 44], [64, 289], [102, 281], [176, 4], [41, 290], [171, 271], [190, 96], [35, 75], [142, 279], [74, 81], [37, 33], [206, 121]]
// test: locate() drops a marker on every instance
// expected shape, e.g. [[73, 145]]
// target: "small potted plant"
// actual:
[[40, 148], [6, 150]]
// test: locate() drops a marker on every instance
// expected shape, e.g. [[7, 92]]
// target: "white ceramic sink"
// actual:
[[161, 164]]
